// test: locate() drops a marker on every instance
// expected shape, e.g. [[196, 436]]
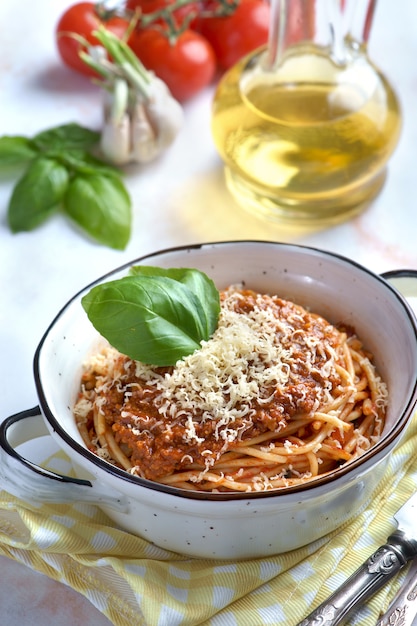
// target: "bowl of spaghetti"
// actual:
[[272, 432]]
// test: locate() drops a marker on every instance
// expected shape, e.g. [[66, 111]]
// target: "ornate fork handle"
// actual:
[[403, 607], [365, 582]]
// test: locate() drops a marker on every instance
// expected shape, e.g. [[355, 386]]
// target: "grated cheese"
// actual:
[[248, 358]]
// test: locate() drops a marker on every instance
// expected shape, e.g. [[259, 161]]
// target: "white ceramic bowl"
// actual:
[[229, 526]]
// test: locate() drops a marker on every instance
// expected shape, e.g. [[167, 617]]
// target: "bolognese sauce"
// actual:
[[275, 397]]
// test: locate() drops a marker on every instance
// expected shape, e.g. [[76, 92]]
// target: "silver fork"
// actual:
[[403, 609]]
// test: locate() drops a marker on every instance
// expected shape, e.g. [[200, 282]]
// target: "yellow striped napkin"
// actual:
[[136, 584]]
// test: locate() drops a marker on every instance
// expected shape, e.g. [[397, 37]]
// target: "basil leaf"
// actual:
[[153, 319], [96, 200], [37, 194], [84, 163], [101, 206], [15, 150], [198, 282], [66, 137]]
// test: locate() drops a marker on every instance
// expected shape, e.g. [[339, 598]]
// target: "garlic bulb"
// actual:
[[141, 118]]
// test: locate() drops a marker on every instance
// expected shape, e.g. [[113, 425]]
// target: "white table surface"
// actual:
[[180, 199]]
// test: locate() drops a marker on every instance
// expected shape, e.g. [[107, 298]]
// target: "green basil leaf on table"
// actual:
[[81, 162], [154, 319], [66, 137], [62, 170], [101, 206], [37, 194], [16, 150], [198, 282]]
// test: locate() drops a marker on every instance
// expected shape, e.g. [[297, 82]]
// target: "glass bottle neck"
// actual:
[[335, 26]]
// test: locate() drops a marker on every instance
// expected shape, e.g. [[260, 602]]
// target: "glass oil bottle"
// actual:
[[306, 126]]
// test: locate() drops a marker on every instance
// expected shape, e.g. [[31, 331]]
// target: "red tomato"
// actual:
[[186, 66], [189, 10], [235, 35], [82, 19]]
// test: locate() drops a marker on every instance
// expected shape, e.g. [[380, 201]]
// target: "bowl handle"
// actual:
[[28, 481], [405, 281]]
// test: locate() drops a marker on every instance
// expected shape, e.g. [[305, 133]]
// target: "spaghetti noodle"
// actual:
[[276, 397]]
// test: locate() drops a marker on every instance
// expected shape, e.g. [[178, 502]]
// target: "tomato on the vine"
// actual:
[[181, 14], [186, 65], [81, 18], [233, 36]]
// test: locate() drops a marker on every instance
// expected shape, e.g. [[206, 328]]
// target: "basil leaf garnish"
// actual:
[[15, 150], [155, 319], [37, 194], [66, 137], [199, 283], [101, 206]]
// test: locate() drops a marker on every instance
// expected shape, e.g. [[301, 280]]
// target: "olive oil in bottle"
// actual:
[[307, 141]]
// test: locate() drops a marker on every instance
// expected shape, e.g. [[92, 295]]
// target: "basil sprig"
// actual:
[[62, 172], [155, 315], [37, 194]]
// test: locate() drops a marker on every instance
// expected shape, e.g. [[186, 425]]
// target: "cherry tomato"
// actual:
[[186, 66], [235, 35], [82, 19], [187, 11]]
